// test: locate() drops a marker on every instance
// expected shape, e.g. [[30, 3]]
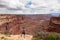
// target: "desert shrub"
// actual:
[[7, 33], [5, 39], [1, 33], [42, 35], [49, 36], [38, 36], [2, 37], [52, 36], [59, 37]]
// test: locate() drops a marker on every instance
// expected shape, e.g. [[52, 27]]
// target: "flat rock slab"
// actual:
[[19, 37]]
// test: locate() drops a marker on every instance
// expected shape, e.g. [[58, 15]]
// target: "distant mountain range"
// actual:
[[39, 16], [55, 14]]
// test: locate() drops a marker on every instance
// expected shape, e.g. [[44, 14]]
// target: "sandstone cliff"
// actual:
[[54, 25], [32, 23]]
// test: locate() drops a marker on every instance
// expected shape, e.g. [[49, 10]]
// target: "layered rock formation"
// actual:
[[54, 25], [9, 23], [32, 23]]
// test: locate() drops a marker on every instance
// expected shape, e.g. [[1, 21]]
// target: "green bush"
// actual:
[[49, 36], [52, 36], [39, 36]]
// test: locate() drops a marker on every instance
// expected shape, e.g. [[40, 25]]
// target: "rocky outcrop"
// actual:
[[54, 25], [9, 23]]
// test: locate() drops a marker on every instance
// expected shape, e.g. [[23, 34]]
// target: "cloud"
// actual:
[[11, 4], [29, 6]]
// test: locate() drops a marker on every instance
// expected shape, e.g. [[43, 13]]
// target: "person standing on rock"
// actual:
[[23, 32]]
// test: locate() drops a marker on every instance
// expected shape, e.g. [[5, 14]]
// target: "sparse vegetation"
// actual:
[[3, 38], [7, 33], [36, 38], [50, 36]]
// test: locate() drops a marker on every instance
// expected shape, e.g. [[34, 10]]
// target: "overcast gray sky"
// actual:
[[29, 6]]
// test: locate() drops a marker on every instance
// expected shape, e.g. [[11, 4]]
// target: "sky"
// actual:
[[29, 6]]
